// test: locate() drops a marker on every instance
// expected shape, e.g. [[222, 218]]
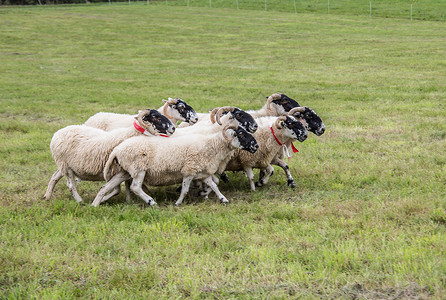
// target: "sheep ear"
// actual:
[[136, 117], [164, 100]]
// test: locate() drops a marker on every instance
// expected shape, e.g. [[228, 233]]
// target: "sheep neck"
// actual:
[[282, 144]]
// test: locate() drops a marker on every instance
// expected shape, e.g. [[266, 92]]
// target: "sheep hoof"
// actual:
[[224, 177], [224, 201], [259, 183], [291, 183]]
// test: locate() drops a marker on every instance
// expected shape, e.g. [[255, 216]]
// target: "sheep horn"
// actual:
[[300, 109], [173, 101], [277, 123], [213, 112], [271, 98], [140, 117], [221, 111], [226, 128], [166, 105]]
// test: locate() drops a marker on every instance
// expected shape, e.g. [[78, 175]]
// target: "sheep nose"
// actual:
[[193, 120], [171, 129], [322, 130], [253, 127]]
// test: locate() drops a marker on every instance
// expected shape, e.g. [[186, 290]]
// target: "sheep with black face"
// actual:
[[175, 109], [237, 115], [191, 157], [276, 105], [272, 134], [312, 123], [81, 151]]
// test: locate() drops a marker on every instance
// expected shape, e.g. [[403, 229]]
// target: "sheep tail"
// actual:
[[112, 166]]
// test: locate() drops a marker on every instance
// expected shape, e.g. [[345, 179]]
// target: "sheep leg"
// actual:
[[116, 190], [210, 182], [224, 177], [145, 189], [71, 183], [250, 175], [128, 192], [185, 188], [215, 179], [136, 187], [206, 190], [112, 184], [54, 179], [286, 168], [265, 174]]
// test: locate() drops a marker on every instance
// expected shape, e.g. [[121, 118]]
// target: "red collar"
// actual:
[[278, 142], [143, 131]]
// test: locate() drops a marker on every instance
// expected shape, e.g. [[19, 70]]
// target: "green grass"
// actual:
[[366, 220], [421, 10]]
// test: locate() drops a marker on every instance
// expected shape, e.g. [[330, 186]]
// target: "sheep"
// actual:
[[174, 109], [194, 156], [273, 133], [219, 117], [313, 123], [238, 116], [82, 151], [276, 105]]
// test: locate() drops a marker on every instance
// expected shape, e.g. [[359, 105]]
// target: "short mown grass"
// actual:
[[366, 220]]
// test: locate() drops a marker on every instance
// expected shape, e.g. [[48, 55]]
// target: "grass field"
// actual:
[[422, 10], [366, 220]]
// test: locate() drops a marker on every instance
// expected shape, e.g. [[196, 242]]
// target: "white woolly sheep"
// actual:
[[191, 157], [174, 109], [82, 151]]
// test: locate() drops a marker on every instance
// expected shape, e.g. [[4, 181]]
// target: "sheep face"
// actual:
[[295, 128], [183, 111], [243, 140], [284, 104], [245, 120], [242, 118], [314, 122], [161, 123]]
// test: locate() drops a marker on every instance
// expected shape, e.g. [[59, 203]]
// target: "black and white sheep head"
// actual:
[[240, 138], [176, 108], [309, 118], [235, 116], [154, 122], [278, 104], [292, 128]]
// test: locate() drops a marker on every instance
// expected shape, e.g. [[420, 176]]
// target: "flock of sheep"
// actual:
[[146, 149]]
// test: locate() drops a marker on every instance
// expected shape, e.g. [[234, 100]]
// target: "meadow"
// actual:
[[366, 220]]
